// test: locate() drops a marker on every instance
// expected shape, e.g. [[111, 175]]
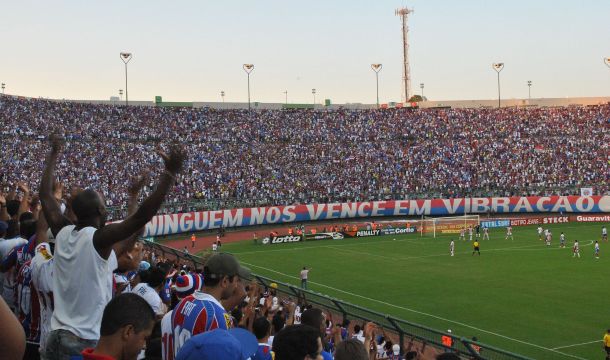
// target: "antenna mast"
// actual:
[[406, 71]]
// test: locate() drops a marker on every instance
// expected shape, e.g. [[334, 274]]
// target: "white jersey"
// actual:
[[42, 283], [604, 231], [596, 247], [167, 337], [82, 283], [539, 230], [485, 230], [509, 230], [297, 315], [469, 231], [576, 247], [452, 245], [151, 296], [214, 247], [9, 277], [562, 237]]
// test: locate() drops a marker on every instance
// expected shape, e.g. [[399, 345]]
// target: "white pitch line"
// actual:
[[585, 343], [422, 313]]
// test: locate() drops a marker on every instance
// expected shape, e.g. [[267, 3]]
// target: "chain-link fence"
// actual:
[[404, 330]]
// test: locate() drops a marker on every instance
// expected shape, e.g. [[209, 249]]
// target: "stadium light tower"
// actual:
[[377, 68], [126, 57], [286, 94], [121, 94], [248, 69], [498, 67], [222, 95], [313, 92], [529, 90], [607, 61], [421, 86], [3, 86], [406, 71]]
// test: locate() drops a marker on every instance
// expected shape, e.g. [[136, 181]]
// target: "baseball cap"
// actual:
[[3, 226], [234, 344], [187, 284], [144, 265], [224, 264], [396, 349]]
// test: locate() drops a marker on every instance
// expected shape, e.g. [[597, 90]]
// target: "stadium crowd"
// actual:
[[76, 287], [270, 157]]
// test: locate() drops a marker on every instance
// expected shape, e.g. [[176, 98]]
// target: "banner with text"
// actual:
[[205, 220]]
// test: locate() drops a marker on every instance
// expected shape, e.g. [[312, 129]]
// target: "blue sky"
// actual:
[[191, 50]]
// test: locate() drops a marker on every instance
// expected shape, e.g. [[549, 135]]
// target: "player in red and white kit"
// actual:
[[576, 249], [509, 233], [470, 233], [463, 234], [548, 237]]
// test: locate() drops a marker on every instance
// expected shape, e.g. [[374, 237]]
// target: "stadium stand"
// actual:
[[272, 157]]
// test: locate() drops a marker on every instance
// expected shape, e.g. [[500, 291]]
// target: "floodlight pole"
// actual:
[[286, 94], [248, 69], [121, 94], [529, 90], [3, 86], [126, 57], [498, 68], [421, 86], [377, 68], [313, 92]]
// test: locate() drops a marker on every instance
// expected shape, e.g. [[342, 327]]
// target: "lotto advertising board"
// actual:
[[205, 220]]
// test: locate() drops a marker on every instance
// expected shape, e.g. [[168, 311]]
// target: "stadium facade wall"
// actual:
[[205, 220], [492, 103]]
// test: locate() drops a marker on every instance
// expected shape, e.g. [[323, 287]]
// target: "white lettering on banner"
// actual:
[[398, 207], [480, 205], [289, 214], [541, 201], [230, 220], [315, 211], [523, 203], [452, 205], [500, 204], [203, 220], [215, 221], [257, 215], [333, 211], [414, 209], [580, 206], [376, 210], [556, 220], [562, 204], [273, 215], [362, 209], [598, 218], [349, 210]]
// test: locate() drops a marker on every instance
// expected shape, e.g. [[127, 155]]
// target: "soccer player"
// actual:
[[214, 247], [463, 234], [193, 238], [477, 229], [476, 248], [202, 311], [452, 247], [540, 233], [596, 249], [470, 233], [509, 233], [562, 240], [485, 233], [604, 234], [549, 236], [576, 249]]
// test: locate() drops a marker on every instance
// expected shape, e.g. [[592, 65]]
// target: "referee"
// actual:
[[475, 246]]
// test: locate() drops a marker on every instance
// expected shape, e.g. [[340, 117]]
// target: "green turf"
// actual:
[[519, 295]]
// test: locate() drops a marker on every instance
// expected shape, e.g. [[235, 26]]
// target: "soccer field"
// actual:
[[519, 295]]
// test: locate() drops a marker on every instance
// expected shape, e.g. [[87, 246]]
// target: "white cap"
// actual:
[[396, 349]]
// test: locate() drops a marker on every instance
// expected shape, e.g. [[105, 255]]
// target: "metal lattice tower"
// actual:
[[406, 71]]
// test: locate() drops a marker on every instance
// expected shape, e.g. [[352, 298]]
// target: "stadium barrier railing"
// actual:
[[405, 330]]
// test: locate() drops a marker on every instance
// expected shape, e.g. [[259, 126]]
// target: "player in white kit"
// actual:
[[452, 247], [576, 249], [562, 240], [463, 234], [485, 233], [596, 249], [604, 234], [548, 237], [509, 233], [540, 233], [470, 233]]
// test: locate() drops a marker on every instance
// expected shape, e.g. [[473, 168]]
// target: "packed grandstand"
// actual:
[[199, 157]]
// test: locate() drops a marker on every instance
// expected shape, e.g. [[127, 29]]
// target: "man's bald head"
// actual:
[[88, 206]]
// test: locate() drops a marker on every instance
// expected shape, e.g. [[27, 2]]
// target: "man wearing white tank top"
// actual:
[[86, 254]]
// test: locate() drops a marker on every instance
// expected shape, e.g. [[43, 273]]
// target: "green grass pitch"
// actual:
[[518, 295]]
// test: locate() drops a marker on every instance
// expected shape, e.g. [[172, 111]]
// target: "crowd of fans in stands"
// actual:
[[286, 157], [75, 287]]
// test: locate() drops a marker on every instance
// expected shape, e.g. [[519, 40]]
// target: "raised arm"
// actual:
[[3, 212], [24, 206], [133, 190], [106, 237], [50, 206]]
